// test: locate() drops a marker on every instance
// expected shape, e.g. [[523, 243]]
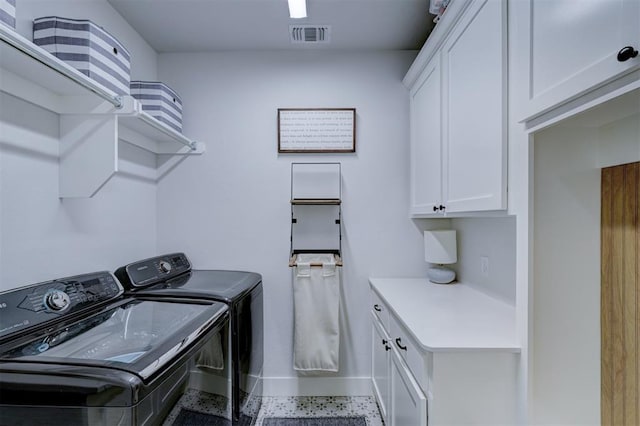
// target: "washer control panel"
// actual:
[[164, 267], [152, 271], [36, 304], [56, 300]]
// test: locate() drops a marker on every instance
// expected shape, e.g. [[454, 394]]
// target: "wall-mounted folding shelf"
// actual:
[[316, 215], [92, 120], [316, 202]]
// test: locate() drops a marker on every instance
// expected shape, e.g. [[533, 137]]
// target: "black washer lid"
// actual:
[[220, 285], [138, 336]]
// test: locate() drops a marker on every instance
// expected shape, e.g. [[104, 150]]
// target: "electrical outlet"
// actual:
[[484, 266]]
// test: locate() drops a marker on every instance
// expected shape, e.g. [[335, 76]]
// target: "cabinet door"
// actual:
[[573, 47], [474, 101], [409, 404], [425, 106], [380, 367]]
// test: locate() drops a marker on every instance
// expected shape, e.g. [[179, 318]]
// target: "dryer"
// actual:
[[171, 276]]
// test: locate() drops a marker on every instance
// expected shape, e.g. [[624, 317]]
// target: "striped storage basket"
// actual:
[[88, 48], [8, 12], [160, 101]]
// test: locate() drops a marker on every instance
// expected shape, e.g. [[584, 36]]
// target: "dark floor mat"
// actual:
[[315, 421], [195, 418]]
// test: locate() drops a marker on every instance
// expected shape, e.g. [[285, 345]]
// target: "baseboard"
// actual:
[[317, 386]]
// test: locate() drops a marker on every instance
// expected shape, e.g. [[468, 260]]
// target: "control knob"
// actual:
[[56, 300], [165, 266]]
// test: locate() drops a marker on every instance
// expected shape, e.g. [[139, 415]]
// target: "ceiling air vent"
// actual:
[[310, 33]]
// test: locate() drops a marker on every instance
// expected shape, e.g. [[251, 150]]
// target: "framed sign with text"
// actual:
[[316, 130]]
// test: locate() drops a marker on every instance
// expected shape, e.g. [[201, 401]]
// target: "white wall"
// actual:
[[624, 135], [44, 237], [566, 329], [230, 208], [41, 236], [494, 238]]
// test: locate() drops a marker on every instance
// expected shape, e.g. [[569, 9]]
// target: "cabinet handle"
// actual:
[[627, 53], [387, 347], [435, 208], [398, 340], [377, 307], [385, 341], [442, 207]]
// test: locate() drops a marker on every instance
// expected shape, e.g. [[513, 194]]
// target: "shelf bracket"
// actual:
[[88, 154]]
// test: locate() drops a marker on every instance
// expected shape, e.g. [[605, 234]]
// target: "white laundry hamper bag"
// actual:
[[316, 299]]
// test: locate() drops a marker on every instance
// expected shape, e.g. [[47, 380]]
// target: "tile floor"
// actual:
[[300, 406], [202, 402], [321, 406]]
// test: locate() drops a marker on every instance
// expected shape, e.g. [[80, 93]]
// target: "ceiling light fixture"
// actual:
[[297, 9]]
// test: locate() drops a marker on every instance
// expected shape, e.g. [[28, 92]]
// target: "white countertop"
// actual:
[[449, 317]]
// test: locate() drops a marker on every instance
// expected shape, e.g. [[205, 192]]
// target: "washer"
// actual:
[[75, 351], [171, 276]]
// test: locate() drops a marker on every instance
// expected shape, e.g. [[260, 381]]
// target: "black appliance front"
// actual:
[[75, 352], [171, 276]]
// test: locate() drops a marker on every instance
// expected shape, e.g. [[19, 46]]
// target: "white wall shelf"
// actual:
[[139, 128], [33, 74], [316, 215], [92, 119]]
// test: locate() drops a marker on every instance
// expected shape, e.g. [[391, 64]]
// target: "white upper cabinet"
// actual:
[[426, 141], [458, 106], [475, 81], [574, 46]]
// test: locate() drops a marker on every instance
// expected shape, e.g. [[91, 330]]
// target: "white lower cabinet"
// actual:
[[401, 400], [380, 366], [460, 378], [408, 402]]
